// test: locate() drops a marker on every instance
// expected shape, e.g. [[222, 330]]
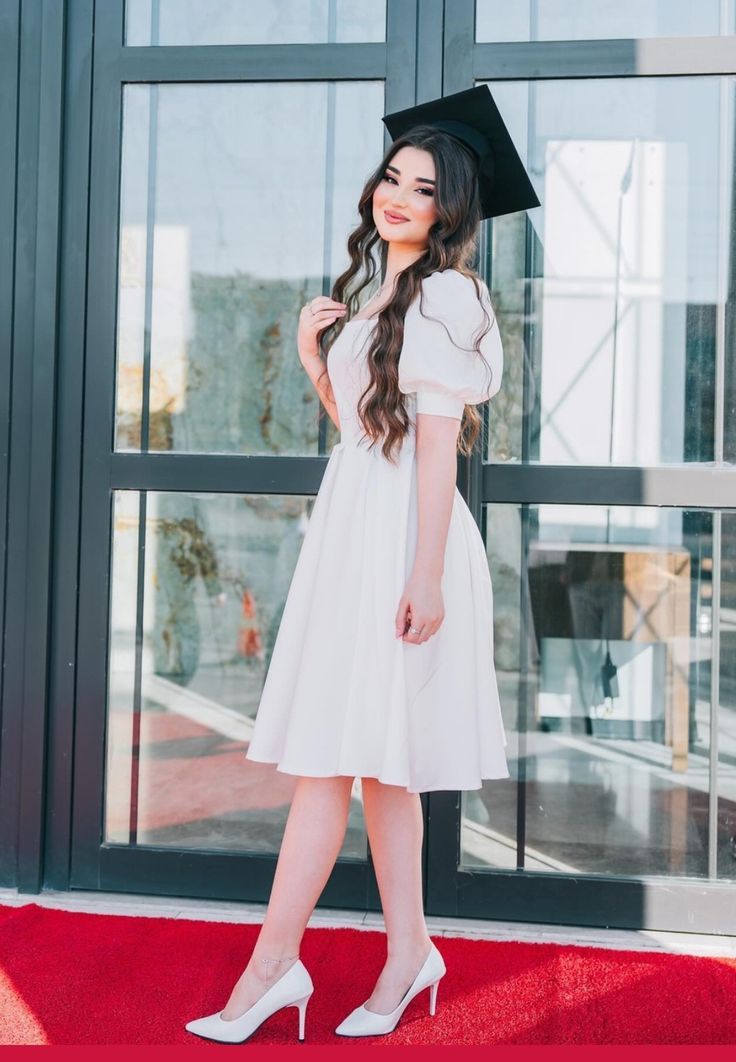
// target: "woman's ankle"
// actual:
[[408, 949], [269, 965]]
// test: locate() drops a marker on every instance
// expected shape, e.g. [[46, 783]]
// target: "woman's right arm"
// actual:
[[313, 319], [316, 370]]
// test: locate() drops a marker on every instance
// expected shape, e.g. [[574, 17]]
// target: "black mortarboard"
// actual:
[[473, 117]]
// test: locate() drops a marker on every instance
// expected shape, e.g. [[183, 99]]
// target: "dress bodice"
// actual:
[[441, 370]]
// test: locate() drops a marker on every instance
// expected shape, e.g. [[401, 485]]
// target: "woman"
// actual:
[[383, 665]]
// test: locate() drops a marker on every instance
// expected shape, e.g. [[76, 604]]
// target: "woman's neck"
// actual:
[[399, 257]]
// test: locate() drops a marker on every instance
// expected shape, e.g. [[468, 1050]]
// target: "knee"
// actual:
[[370, 781]]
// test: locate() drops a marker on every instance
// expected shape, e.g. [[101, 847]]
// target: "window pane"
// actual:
[[608, 294], [192, 628], [191, 22], [603, 653], [226, 231], [551, 20]]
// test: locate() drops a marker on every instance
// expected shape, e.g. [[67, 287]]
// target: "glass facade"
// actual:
[[202, 22], [217, 257], [165, 445], [604, 651], [560, 20], [620, 352], [199, 583]]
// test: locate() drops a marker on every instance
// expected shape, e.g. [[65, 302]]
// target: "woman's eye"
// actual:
[[388, 177]]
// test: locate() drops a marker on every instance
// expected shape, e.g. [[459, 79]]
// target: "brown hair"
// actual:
[[452, 244]]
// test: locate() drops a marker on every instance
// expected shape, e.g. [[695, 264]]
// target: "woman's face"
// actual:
[[406, 190]]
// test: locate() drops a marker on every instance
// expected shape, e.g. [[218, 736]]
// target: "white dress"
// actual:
[[343, 695]]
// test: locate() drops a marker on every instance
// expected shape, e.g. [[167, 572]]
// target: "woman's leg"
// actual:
[[314, 832], [395, 827]]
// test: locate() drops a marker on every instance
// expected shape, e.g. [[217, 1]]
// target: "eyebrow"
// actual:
[[423, 180]]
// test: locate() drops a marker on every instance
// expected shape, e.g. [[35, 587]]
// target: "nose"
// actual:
[[397, 204]]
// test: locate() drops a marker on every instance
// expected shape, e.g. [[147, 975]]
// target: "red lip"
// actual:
[[394, 217]]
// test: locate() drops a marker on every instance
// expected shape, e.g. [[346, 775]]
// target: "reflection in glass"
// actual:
[[552, 20], [726, 827], [603, 655], [199, 583], [182, 22], [611, 348], [226, 231]]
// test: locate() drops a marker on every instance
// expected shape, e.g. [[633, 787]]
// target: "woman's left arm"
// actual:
[[439, 363], [421, 604]]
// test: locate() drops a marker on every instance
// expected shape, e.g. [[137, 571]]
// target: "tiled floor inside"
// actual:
[[228, 911]]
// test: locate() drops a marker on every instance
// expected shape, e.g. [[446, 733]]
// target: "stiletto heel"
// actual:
[[433, 996], [293, 989], [302, 1005], [363, 1022]]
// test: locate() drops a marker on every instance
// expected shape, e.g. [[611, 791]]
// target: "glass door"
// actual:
[[224, 178], [606, 490]]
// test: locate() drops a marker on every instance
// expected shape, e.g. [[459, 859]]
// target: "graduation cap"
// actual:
[[473, 117]]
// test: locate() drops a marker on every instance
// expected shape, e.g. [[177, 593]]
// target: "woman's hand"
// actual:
[[313, 319], [421, 606]]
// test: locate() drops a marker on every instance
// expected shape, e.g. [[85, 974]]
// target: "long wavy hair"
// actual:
[[452, 244]]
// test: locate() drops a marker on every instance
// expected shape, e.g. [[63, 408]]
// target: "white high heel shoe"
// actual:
[[362, 1022], [292, 989]]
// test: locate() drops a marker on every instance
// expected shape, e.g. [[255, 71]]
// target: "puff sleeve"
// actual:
[[444, 371]]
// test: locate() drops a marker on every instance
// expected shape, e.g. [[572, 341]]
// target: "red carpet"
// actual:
[[77, 978]]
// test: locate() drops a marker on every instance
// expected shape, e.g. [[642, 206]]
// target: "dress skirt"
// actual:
[[343, 695]]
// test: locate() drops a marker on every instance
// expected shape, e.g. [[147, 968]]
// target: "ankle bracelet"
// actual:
[[287, 959]]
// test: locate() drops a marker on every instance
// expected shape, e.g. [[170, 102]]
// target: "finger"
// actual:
[[322, 302], [328, 315], [413, 636], [321, 325], [428, 630]]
